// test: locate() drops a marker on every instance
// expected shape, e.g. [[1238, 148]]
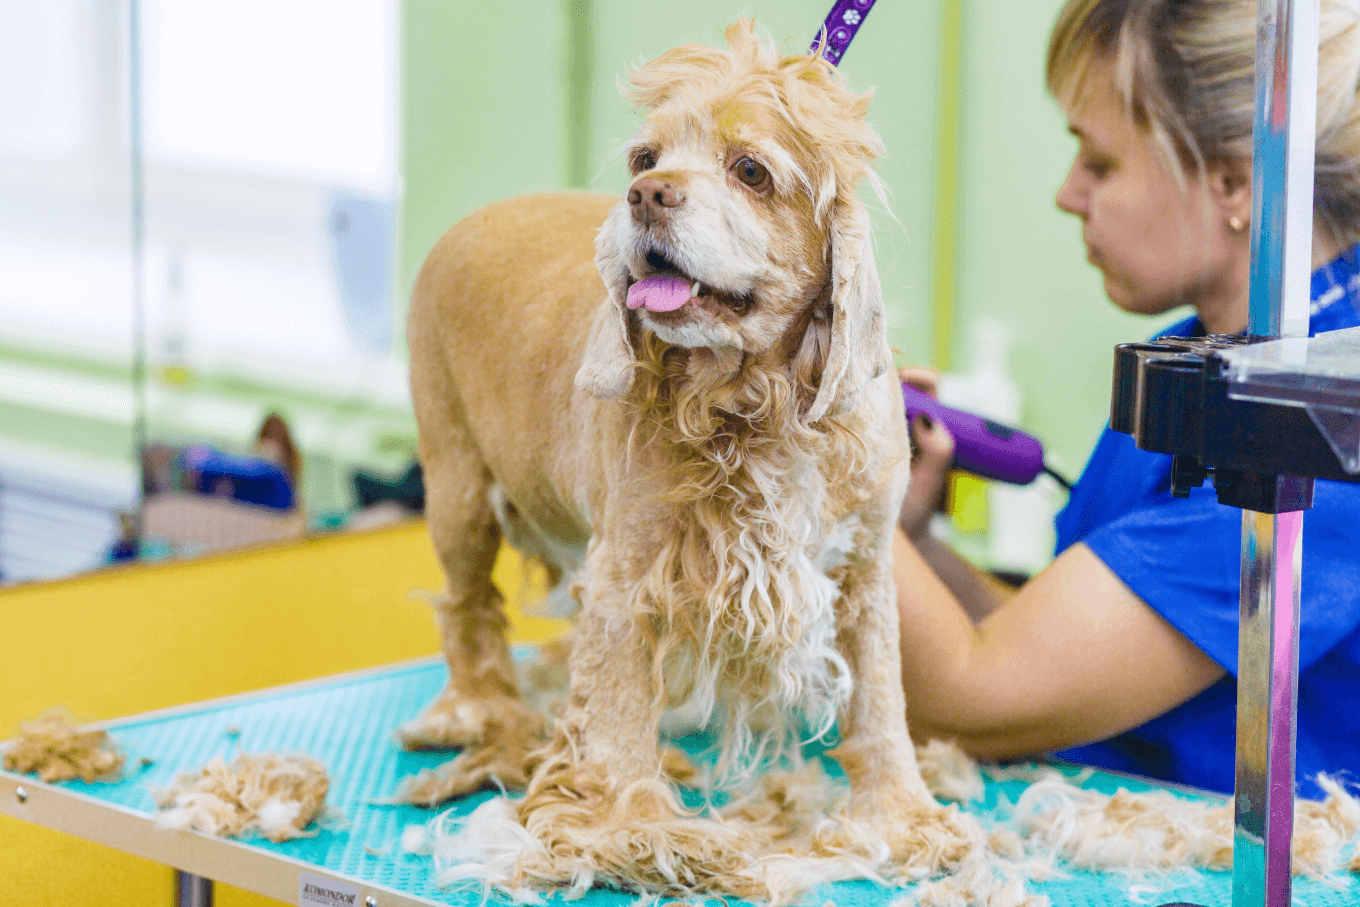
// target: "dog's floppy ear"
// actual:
[[859, 350], [607, 369]]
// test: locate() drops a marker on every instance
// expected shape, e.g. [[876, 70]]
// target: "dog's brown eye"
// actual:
[[643, 159], [752, 173]]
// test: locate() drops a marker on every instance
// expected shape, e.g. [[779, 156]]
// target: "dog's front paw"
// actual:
[[933, 839], [455, 719]]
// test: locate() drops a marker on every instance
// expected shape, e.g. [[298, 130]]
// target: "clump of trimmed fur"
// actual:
[[791, 832], [273, 795], [1323, 829], [53, 748], [1156, 831], [949, 772], [977, 884], [785, 837]]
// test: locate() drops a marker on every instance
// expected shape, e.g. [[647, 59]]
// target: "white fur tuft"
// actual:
[[483, 847], [415, 839], [276, 816]]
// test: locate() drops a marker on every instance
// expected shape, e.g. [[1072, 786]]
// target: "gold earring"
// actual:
[[1236, 223]]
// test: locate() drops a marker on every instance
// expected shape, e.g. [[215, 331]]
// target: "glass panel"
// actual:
[[67, 405], [270, 168], [271, 198], [1321, 374]]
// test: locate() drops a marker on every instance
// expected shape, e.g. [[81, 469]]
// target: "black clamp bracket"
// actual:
[[1172, 396]]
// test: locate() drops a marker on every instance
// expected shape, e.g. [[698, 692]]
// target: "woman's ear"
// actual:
[[1230, 186]]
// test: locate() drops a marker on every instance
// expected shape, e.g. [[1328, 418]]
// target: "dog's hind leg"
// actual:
[[481, 703]]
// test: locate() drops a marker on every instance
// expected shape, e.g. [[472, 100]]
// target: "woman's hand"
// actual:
[[932, 450]]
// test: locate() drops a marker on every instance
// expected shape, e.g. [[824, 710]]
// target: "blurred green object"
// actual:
[[328, 522]]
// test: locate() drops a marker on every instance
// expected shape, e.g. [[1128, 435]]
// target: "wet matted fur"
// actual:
[[718, 483]]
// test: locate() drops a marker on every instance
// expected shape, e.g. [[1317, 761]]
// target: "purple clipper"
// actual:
[[981, 446]]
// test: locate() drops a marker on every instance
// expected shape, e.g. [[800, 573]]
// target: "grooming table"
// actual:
[[346, 722]]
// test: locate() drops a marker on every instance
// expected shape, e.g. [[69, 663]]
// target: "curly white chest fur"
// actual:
[[754, 648]]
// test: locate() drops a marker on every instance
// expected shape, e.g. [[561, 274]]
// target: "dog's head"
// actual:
[[741, 232]]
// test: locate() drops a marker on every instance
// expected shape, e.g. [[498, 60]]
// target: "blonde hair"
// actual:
[[1185, 70]]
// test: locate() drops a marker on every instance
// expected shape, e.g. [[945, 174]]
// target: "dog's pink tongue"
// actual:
[[659, 293]]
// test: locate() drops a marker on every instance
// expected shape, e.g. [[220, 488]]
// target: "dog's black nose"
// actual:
[[651, 199]]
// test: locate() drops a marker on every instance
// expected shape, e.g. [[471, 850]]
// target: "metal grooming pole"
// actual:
[[1272, 544], [1265, 415]]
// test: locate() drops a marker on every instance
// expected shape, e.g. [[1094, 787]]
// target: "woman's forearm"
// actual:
[[1064, 661], [938, 634]]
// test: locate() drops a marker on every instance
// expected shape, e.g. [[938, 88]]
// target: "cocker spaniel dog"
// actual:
[[683, 401]]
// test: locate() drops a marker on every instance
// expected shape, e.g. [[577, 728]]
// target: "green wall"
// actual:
[[484, 108]]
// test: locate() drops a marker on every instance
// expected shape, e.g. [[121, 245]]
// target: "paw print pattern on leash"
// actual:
[[840, 27]]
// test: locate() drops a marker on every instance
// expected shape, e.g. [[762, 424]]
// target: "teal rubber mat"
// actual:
[[346, 722]]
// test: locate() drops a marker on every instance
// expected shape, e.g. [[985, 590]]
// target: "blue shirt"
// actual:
[[1182, 557]]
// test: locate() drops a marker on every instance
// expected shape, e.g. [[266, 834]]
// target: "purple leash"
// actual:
[[840, 26]]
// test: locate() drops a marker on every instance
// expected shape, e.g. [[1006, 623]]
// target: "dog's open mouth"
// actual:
[[667, 289]]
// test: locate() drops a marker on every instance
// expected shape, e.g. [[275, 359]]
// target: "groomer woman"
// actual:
[[1122, 652]]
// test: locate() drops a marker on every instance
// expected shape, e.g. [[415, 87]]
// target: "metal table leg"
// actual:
[[192, 890], [1267, 705]]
